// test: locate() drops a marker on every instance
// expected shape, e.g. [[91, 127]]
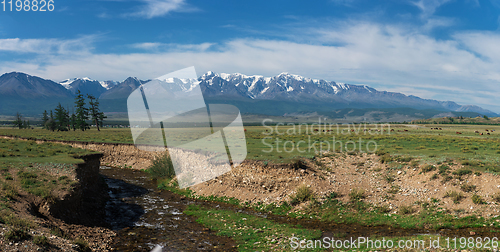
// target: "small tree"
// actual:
[[62, 119], [51, 123], [26, 124], [81, 112], [95, 113], [486, 117], [45, 118], [19, 121], [73, 121]]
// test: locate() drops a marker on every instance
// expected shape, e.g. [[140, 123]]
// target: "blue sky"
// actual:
[[436, 49]]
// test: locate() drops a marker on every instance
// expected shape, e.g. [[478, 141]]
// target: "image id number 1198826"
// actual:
[[28, 5]]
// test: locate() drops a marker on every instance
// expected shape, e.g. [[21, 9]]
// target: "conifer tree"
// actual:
[[81, 112], [95, 113]]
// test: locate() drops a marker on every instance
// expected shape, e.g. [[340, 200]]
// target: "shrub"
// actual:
[[394, 189], [496, 197], [298, 164], [446, 179], [406, 210], [389, 178], [162, 167], [383, 209], [404, 159], [302, 194], [386, 158], [476, 199], [414, 163], [455, 196], [17, 234], [332, 195], [468, 187], [443, 169], [428, 168], [41, 241], [462, 172], [434, 176], [356, 194], [83, 246]]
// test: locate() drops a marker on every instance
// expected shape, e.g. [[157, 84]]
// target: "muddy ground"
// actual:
[[255, 181]]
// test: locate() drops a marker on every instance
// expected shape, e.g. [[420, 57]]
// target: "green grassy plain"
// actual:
[[285, 143]]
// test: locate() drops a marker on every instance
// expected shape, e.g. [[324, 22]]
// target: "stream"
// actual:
[[144, 217]]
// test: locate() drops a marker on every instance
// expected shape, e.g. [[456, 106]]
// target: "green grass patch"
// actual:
[[251, 233]]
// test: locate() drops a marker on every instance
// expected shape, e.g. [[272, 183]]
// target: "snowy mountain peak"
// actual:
[[66, 83], [108, 84]]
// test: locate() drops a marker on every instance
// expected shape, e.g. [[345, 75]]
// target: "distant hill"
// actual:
[[20, 85], [28, 94], [459, 120]]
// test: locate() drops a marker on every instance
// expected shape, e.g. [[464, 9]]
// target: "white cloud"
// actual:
[[463, 69], [428, 7], [168, 47], [47, 46], [158, 8]]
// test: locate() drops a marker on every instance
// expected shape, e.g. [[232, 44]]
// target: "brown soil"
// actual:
[[253, 182], [37, 211]]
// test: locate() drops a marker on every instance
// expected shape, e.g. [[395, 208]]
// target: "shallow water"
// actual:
[[145, 217]]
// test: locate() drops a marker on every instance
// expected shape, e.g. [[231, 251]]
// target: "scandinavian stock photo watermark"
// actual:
[[486, 243], [320, 137]]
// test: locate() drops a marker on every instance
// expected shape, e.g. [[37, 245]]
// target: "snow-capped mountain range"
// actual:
[[278, 95]]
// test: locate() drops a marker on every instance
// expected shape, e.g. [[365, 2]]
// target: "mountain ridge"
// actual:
[[294, 93]]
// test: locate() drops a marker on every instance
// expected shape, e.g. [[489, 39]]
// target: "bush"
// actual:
[[455, 196], [446, 179], [356, 194], [428, 168], [162, 167], [386, 158], [302, 194], [443, 169], [389, 178], [462, 172], [496, 197], [406, 210], [17, 235], [82, 244], [414, 163], [404, 159], [434, 176], [468, 187], [298, 164], [476, 199], [383, 209], [332, 196], [41, 241]]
